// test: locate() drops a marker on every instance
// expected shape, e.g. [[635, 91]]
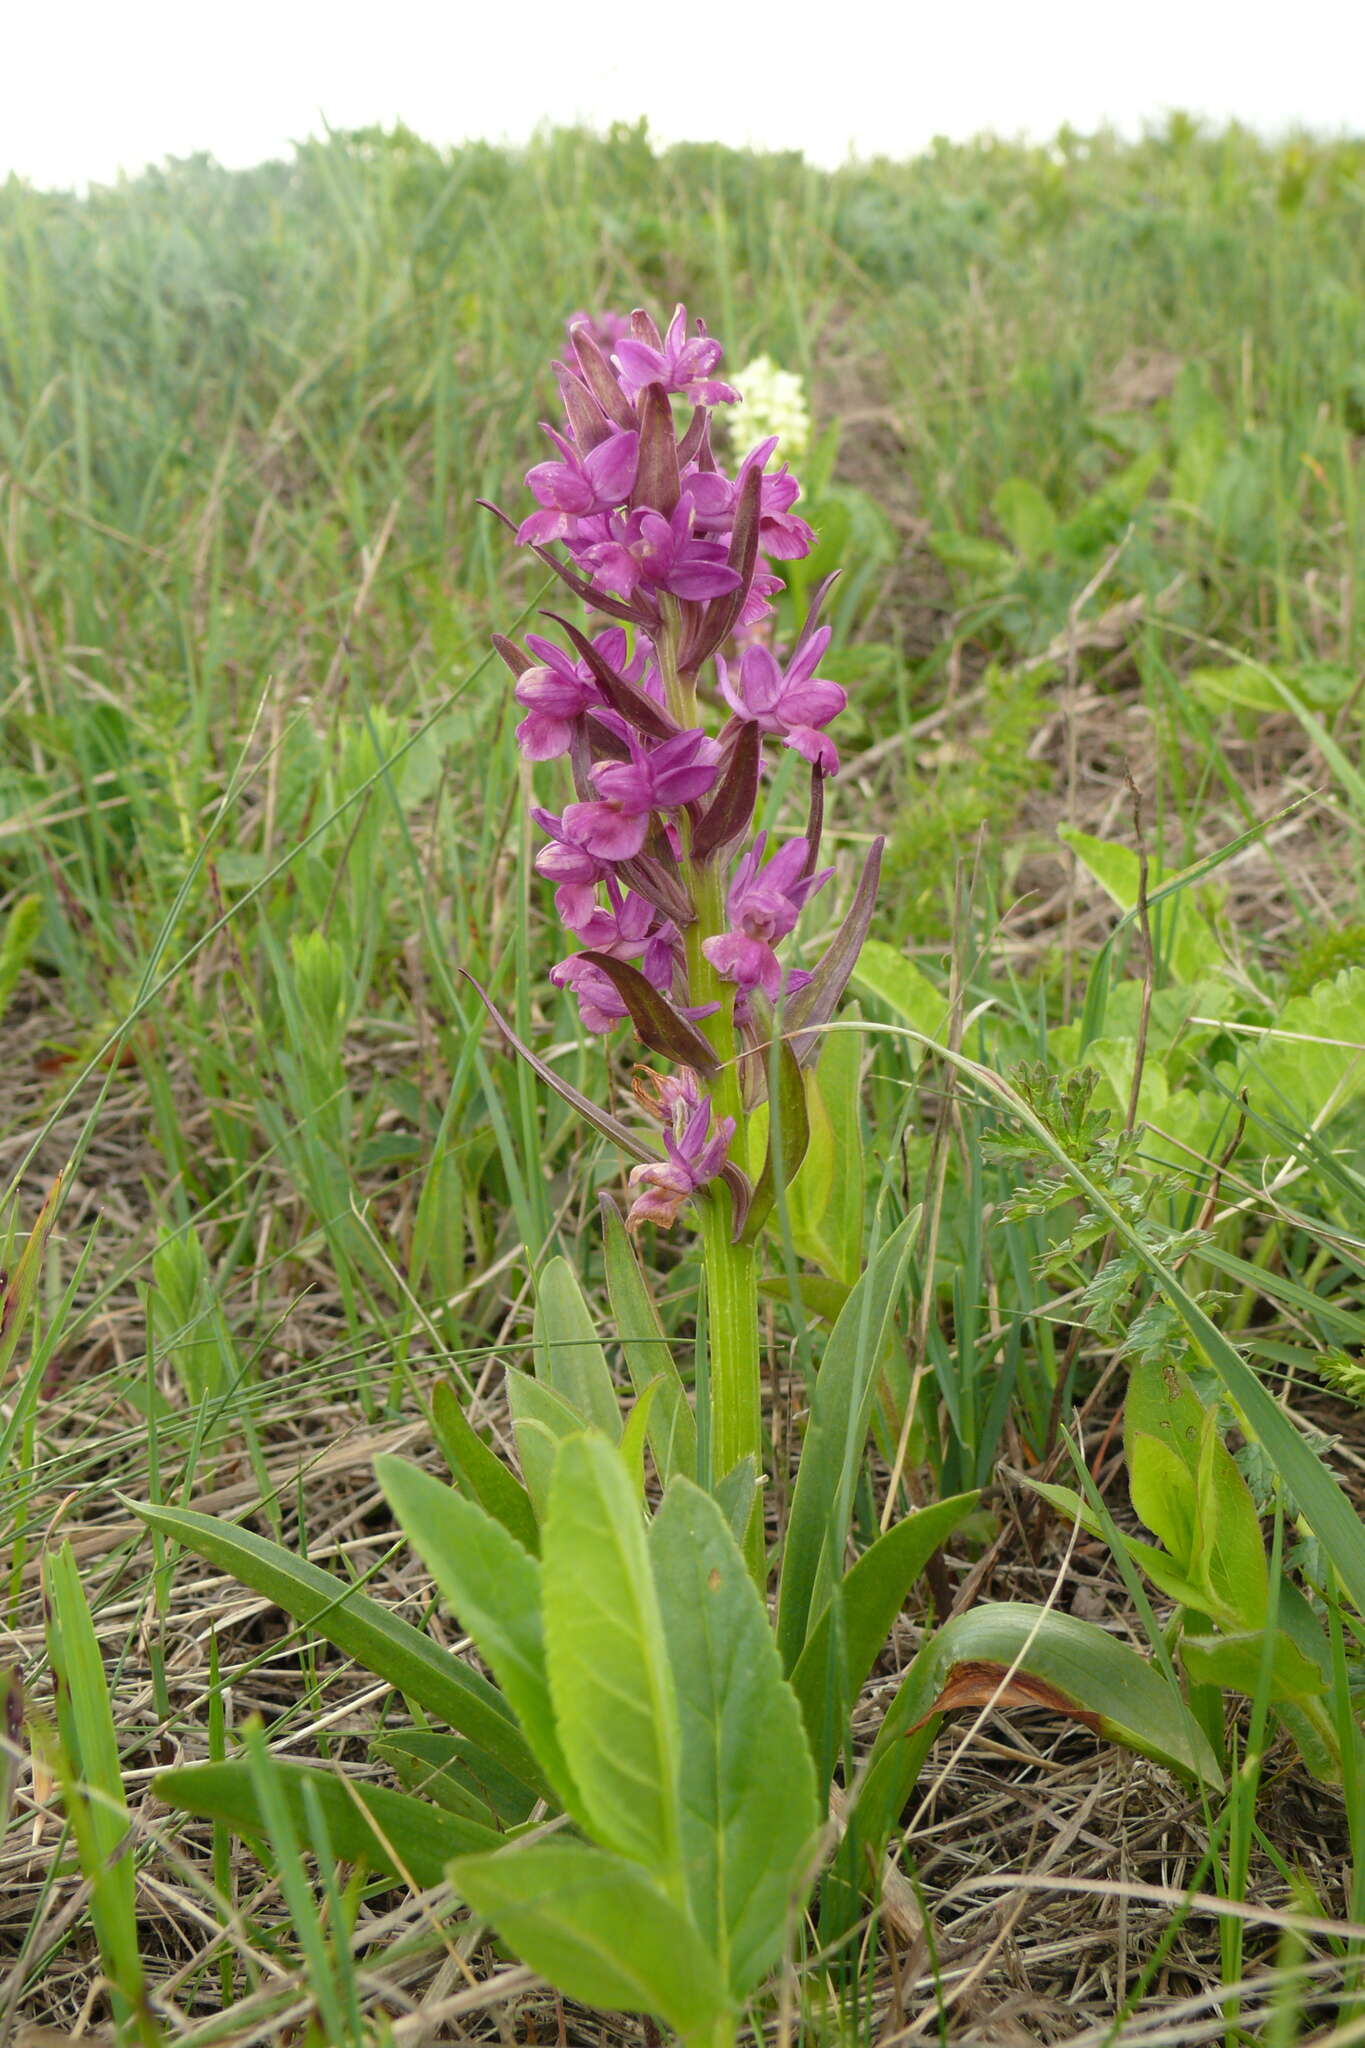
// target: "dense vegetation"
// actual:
[[1088, 424]]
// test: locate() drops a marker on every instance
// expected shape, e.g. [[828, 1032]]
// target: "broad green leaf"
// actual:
[[1186, 1487], [1230, 1549], [568, 1352], [1184, 938], [985, 560], [825, 1201], [597, 1928], [1026, 516], [747, 1789], [541, 1421], [831, 1457], [1233, 1663], [382, 1830], [1235, 684], [493, 1588], [479, 1470], [615, 1705], [884, 972], [648, 1352], [1060, 1662], [456, 1774], [853, 1627], [1162, 1492], [361, 1628], [1311, 1064]]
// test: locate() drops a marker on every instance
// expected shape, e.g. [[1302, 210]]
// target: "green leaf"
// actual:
[[1184, 938], [1233, 1663], [884, 972], [390, 1832], [479, 1470], [825, 1201], [831, 1457], [734, 1495], [648, 1352], [748, 1793], [456, 1774], [1068, 1665], [569, 1357], [1185, 1485], [634, 1435], [853, 1627], [361, 1628], [19, 1277], [598, 1929], [1026, 516], [788, 1137], [615, 1704], [1162, 1492], [541, 1421], [95, 1803], [493, 1588]]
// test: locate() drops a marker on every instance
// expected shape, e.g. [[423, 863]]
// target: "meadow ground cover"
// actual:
[[1083, 447]]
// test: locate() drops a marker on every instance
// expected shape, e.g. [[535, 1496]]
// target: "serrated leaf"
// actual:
[[747, 1785], [361, 1628], [386, 1831], [597, 1928], [615, 1706]]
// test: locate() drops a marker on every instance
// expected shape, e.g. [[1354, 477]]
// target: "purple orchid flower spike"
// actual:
[[696, 1147], [676, 361], [792, 705]]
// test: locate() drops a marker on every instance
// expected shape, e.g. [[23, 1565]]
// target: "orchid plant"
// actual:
[[642, 1796], [668, 718]]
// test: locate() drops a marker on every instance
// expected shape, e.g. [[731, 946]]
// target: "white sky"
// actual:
[[92, 87]]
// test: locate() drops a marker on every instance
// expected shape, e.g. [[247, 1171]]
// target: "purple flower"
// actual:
[[675, 361], [644, 548], [579, 486], [630, 928], [763, 904], [662, 777], [780, 533], [562, 689], [599, 1006], [655, 778], [792, 705], [569, 863], [695, 1155]]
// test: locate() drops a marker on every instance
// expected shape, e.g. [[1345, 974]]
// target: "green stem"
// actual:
[[736, 1414]]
